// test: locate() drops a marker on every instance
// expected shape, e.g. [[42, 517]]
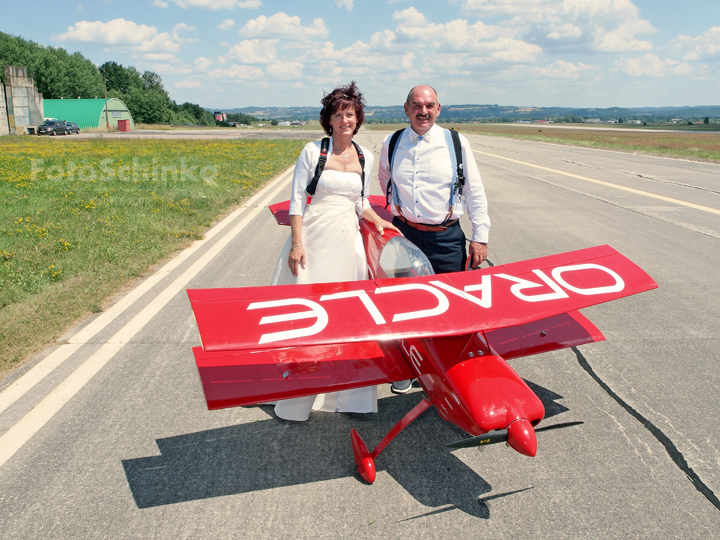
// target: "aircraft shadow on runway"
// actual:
[[273, 453]]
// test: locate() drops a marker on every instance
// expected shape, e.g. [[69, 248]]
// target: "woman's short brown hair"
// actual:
[[340, 99]]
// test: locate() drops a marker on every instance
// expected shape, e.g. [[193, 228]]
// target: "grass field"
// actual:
[[81, 218], [697, 144]]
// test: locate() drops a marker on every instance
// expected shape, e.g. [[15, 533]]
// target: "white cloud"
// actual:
[[347, 4], [505, 7], [214, 5], [167, 69], [476, 44], [564, 31], [119, 34], [650, 65], [227, 24], [252, 51], [285, 71], [115, 32], [283, 26], [203, 64], [182, 27], [410, 17], [566, 70], [512, 50], [706, 46], [238, 73], [603, 25], [622, 38], [161, 57], [159, 3], [188, 83]]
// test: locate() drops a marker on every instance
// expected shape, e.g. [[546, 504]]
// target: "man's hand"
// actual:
[[478, 253]]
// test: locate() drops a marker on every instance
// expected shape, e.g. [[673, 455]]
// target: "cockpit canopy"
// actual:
[[402, 258]]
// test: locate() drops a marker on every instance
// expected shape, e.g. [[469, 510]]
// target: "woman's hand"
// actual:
[[297, 251], [296, 259], [381, 225]]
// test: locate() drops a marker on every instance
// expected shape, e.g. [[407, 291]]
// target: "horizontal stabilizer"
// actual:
[[281, 212]]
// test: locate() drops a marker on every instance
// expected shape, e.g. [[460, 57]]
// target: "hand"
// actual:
[[381, 225], [478, 252], [296, 259]]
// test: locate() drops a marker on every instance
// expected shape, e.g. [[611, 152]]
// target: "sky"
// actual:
[[543, 53]]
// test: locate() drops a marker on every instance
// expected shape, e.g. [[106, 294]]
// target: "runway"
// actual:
[[111, 437]]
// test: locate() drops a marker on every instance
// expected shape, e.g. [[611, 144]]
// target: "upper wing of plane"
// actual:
[[449, 304]]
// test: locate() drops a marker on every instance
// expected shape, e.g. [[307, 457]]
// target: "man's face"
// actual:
[[422, 109]]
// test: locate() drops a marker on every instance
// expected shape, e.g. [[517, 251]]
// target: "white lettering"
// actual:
[[317, 312], [442, 307], [415, 357], [522, 284], [618, 286], [486, 298], [364, 298]]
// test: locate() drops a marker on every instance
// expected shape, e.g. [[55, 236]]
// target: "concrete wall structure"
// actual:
[[4, 127], [24, 102]]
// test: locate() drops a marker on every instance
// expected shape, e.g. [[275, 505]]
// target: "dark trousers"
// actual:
[[445, 249]]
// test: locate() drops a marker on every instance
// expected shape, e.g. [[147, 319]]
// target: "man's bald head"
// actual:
[[419, 88], [422, 108]]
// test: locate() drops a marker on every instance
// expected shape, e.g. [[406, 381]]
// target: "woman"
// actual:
[[325, 244]]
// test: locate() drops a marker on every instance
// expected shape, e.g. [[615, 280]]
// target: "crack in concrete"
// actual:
[[625, 433], [675, 455]]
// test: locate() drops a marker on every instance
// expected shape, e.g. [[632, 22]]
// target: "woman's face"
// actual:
[[344, 121]]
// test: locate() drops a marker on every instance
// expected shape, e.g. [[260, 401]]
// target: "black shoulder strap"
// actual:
[[361, 157], [324, 147], [458, 157], [391, 152]]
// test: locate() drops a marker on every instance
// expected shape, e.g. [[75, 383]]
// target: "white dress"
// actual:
[[334, 252]]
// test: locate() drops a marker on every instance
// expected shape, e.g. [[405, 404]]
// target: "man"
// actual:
[[420, 196]]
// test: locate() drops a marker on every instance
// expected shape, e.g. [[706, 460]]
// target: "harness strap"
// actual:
[[391, 159], [324, 147], [361, 157], [452, 139]]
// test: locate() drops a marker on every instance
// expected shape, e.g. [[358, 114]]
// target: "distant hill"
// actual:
[[469, 113]]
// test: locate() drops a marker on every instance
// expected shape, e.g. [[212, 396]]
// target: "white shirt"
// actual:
[[305, 170], [422, 176]]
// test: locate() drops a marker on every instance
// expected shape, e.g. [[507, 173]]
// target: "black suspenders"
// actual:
[[455, 190]]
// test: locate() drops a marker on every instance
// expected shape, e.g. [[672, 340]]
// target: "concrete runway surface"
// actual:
[[107, 434]]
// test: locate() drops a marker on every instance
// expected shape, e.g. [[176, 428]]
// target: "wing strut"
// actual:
[[364, 460]]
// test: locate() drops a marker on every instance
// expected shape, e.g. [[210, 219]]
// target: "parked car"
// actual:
[[53, 127], [72, 127]]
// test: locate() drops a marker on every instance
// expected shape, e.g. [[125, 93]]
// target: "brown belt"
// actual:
[[427, 228]]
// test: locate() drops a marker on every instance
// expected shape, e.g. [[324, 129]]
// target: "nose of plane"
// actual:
[[521, 437]]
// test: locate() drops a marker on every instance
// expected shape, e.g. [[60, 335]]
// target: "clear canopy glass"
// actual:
[[402, 258]]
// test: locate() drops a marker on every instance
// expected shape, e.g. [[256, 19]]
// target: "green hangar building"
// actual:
[[88, 113]]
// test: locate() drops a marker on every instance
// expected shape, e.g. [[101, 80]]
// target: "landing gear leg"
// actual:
[[365, 460]]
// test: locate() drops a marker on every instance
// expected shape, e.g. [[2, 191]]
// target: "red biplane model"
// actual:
[[451, 332]]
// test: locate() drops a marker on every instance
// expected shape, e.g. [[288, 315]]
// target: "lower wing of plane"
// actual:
[[234, 378]]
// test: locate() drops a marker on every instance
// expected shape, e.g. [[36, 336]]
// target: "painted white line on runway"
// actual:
[[31, 423], [25, 383], [609, 184]]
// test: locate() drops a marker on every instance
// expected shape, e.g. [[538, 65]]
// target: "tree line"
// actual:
[[59, 74]]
